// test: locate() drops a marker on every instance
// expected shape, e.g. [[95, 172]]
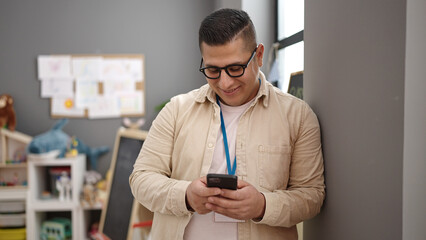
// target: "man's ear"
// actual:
[[259, 54]]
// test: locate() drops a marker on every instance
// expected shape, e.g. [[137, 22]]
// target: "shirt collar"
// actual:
[[207, 93]]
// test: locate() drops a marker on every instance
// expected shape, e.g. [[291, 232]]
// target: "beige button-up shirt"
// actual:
[[278, 149]]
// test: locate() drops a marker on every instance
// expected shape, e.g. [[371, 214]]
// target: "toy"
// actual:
[[72, 150], [63, 185], [92, 153], [56, 229], [15, 179], [94, 229], [101, 188], [89, 189], [19, 156], [46, 195], [133, 125], [7, 113], [56, 139]]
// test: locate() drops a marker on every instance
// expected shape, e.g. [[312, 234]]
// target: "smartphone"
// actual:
[[222, 181]]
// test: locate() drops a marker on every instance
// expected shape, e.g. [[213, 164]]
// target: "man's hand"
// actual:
[[197, 194], [244, 203]]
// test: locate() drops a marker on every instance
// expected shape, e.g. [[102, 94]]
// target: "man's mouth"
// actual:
[[230, 91]]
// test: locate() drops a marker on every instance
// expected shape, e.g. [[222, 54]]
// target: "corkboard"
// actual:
[[103, 100]]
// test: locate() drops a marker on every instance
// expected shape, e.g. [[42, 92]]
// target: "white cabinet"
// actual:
[[13, 166], [40, 207]]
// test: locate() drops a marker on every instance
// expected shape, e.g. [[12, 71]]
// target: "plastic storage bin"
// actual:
[[12, 207], [12, 234]]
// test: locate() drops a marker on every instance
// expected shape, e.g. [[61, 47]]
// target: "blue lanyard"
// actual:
[[231, 171]]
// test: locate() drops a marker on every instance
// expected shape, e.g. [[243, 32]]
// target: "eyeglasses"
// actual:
[[233, 70]]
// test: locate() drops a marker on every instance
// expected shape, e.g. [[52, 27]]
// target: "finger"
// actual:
[[204, 180], [206, 191], [200, 188], [216, 208], [242, 183], [231, 194], [203, 210], [224, 211], [223, 202]]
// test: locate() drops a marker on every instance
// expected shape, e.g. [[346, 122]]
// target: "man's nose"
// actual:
[[225, 81]]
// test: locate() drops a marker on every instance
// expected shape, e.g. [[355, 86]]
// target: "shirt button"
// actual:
[[261, 148], [210, 145]]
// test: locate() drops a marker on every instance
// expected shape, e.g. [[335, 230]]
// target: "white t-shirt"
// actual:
[[204, 226]]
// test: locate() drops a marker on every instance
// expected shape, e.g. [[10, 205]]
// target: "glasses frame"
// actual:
[[244, 66]]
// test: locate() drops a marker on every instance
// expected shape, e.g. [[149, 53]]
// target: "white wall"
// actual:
[[414, 199]]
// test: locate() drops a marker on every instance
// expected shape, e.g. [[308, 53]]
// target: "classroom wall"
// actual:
[[166, 32], [364, 77], [237, 4], [414, 190], [263, 15]]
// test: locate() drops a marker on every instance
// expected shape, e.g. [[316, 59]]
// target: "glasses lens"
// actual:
[[212, 72], [235, 70]]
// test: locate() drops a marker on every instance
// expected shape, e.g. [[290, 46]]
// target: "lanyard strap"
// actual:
[[231, 170]]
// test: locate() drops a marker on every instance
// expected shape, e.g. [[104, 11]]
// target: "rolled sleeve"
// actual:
[[177, 198]]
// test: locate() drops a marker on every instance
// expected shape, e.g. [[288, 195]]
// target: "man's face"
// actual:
[[233, 91]]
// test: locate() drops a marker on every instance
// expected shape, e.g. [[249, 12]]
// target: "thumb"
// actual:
[[204, 180], [242, 184]]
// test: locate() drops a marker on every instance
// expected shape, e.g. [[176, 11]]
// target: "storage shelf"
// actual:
[[14, 187], [13, 192], [53, 205], [38, 207], [86, 206], [54, 162], [13, 165], [13, 173]]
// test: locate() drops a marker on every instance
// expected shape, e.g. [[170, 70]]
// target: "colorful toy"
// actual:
[[19, 156], [56, 139], [15, 179], [72, 150], [7, 113], [56, 229], [94, 229], [63, 185], [89, 188]]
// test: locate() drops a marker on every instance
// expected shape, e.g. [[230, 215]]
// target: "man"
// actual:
[[273, 146]]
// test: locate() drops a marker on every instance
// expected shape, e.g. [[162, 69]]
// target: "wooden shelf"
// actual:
[[20, 187], [13, 165]]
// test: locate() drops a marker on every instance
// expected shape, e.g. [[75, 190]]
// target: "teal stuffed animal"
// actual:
[[92, 153], [56, 139]]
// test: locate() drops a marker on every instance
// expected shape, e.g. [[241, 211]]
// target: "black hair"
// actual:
[[223, 25]]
